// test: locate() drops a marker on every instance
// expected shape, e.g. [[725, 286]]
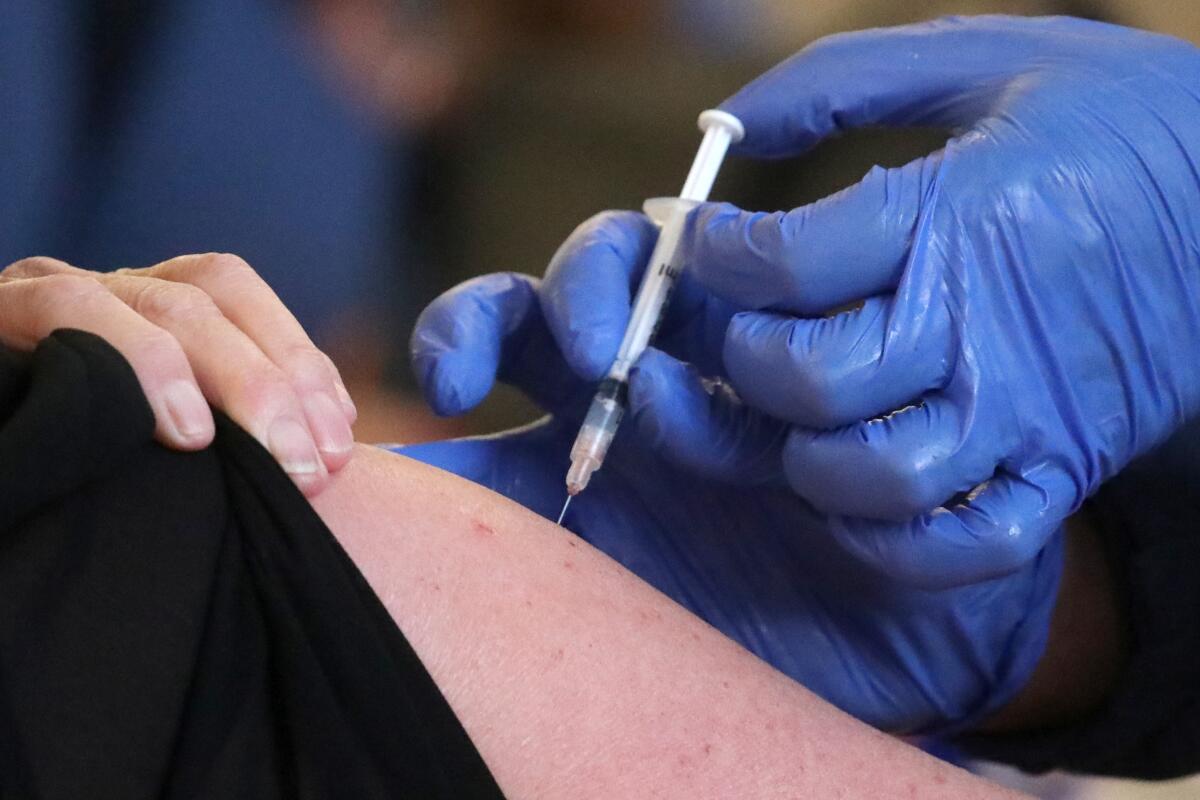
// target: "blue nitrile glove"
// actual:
[[754, 560], [1032, 291]]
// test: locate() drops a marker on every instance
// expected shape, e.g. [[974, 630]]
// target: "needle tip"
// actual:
[[563, 513]]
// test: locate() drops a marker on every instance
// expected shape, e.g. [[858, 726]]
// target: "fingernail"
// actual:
[[348, 406], [187, 410], [328, 424], [288, 441]]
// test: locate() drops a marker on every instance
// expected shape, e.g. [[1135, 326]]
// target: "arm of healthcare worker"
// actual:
[[574, 679], [1030, 293], [197, 329]]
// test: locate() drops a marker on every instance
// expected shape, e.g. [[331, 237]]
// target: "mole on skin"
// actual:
[[482, 529]]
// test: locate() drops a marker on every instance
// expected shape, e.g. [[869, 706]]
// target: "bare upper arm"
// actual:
[[576, 679]]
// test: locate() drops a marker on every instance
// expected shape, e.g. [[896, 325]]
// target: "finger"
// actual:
[[945, 73], [39, 266], [894, 468], [30, 310], [586, 294], [237, 376], [702, 428], [1003, 526], [848, 246], [246, 300], [487, 328], [833, 371]]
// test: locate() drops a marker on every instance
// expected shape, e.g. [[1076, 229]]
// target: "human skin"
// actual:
[[575, 679], [197, 329]]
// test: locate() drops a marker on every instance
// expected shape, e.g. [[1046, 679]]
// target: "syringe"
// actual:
[[670, 213]]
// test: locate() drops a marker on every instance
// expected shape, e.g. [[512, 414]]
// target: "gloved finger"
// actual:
[[945, 73], [833, 371], [894, 468], [703, 428], [587, 291], [487, 328], [1003, 525], [847, 246]]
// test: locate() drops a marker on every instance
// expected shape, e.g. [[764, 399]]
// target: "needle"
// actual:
[[564, 511]]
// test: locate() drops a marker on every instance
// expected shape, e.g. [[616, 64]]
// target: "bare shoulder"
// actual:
[[576, 679]]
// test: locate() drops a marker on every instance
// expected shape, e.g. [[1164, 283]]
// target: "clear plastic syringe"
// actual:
[[670, 213]]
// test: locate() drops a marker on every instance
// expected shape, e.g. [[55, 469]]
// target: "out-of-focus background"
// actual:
[[364, 155]]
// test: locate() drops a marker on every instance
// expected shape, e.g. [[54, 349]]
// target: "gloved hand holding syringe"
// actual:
[[669, 213]]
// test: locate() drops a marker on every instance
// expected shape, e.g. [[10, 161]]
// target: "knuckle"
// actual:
[[168, 302], [33, 267], [820, 404], [609, 224], [616, 232], [1012, 540], [223, 264], [225, 268], [912, 489], [261, 393], [307, 365], [54, 292]]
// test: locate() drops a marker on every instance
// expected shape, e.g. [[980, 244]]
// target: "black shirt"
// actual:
[[182, 625]]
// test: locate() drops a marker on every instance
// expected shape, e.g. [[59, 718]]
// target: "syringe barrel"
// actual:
[[670, 213], [662, 270]]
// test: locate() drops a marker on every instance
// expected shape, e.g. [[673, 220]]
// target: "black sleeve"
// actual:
[[1149, 517], [183, 625]]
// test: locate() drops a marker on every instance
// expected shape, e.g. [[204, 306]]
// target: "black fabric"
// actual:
[[1149, 516], [183, 625]]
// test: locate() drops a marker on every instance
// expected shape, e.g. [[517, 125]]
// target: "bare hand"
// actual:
[[197, 329]]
